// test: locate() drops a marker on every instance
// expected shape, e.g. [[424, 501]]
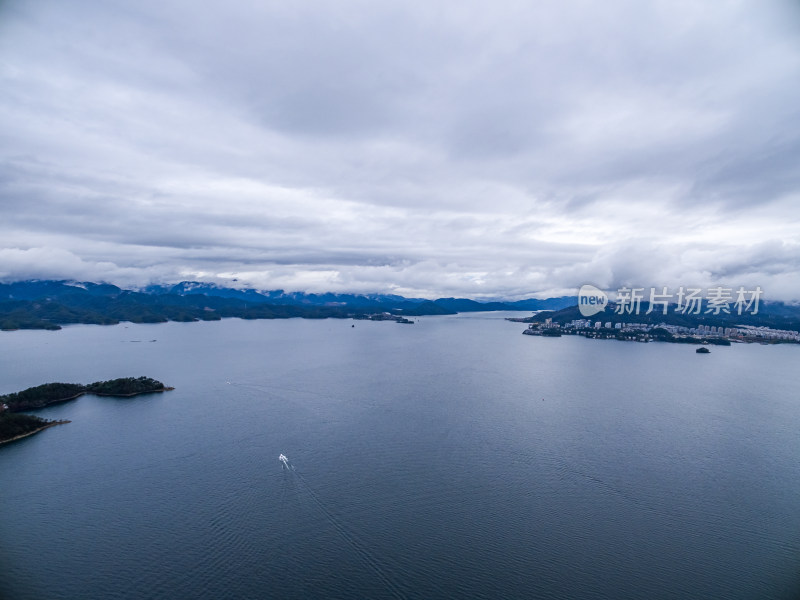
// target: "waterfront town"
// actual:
[[645, 332]]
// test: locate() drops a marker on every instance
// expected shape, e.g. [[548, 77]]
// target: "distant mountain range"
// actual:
[[49, 304]]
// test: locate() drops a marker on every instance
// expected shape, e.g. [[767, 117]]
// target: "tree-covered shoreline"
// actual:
[[14, 425], [51, 304], [44, 395]]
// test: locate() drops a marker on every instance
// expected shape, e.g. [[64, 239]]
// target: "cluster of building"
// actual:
[[589, 324], [745, 333], [749, 331]]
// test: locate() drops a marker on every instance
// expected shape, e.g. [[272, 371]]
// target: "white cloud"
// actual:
[[424, 148]]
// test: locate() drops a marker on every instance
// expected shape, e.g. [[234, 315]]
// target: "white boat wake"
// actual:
[[285, 462], [374, 563]]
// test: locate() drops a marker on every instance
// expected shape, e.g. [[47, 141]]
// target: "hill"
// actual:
[[777, 315], [50, 304]]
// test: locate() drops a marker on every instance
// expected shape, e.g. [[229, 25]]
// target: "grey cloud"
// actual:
[[445, 148]]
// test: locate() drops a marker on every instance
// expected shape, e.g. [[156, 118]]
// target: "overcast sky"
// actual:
[[479, 149]]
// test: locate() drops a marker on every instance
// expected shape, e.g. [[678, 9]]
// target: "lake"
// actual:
[[452, 458]]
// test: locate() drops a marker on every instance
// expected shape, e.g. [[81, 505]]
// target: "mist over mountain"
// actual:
[[48, 304]]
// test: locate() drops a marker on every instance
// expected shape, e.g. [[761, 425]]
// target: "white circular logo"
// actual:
[[591, 300]]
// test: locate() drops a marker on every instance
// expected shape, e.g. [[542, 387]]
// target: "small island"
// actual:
[[14, 426], [384, 316]]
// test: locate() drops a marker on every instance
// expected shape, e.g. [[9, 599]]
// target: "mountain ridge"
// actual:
[[48, 304]]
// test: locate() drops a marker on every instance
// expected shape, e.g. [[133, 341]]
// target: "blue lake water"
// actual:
[[452, 458]]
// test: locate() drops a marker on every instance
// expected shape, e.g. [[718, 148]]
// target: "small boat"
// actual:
[[703, 350]]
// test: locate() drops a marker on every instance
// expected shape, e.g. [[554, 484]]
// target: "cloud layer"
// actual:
[[437, 148]]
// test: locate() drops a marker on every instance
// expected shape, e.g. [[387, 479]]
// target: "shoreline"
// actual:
[[158, 391], [88, 393], [651, 334], [14, 406], [35, 431]]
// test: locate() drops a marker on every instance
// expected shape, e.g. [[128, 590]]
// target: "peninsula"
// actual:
[[778, 324], [14, 426]]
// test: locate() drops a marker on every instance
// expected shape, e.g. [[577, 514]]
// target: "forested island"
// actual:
[[14, 425]]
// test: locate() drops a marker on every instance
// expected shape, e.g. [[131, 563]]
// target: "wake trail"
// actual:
[[363, 553], [282, 499]]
